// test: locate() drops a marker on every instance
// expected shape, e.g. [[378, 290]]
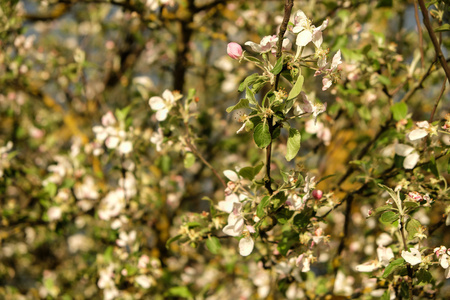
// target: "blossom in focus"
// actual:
[[163, 105], [422, 130], [234, 50], [443, 255], [306, 31], [413, 256]]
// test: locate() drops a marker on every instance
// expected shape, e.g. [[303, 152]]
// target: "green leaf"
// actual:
[[384, 80], [393, 265], [263, 204], [193, 224], [364, 113], [248, 81], [250, 172], [432, 167], [213, 244], [261, 135], [412, 227], [189, 159], [179, 291], [250, 96], [384, 208], [278, 66], [424, 276], [51, 189], [283, 216], [293, 94], [399, 111], [389, 217], [293, 143], [173, 239], [445, 27], [243, 103]]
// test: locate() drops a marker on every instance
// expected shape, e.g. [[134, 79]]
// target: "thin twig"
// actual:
[[437, 48], [437, 101], [419, 29], [200, 156]]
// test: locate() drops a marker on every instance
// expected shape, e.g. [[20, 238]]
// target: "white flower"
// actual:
[[443, 254], [309, 107], [143, 281], [422, 130], [306, 31], [54, 213], [126, 239], [235, 224], [304, 262], [163, 105], [384, 255], [413, 256], [157, 139]]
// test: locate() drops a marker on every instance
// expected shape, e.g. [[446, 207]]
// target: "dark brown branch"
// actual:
[[437, 48], [287, 14]]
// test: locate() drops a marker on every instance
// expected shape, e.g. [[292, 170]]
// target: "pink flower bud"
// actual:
[[317, 194], [234, 50]]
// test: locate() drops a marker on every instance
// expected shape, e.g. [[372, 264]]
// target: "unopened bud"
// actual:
[[234, 50], [317, 194]]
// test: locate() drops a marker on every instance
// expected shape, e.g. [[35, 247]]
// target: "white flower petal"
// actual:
[[246, 246], [403, 150], [156, 103], [161, 115], [413, 256], [411, 161], [369, 266], [168, 96], [417, 134], [230, 230], [303, 38], [255, 47], [231, 175], [336, 60]]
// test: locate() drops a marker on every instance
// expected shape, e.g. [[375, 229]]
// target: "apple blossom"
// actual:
[[422, 130], [268, 43], [413, 256], [306, 31], [163, 105]]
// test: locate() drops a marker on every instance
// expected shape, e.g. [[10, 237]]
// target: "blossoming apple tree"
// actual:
[[220, 149]]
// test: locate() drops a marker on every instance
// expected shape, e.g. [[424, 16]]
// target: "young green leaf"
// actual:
[[399, 111], [278, 66], [389, 217], [393, 265], [261, 135], [293, 143], [243, 103], [263, 204], [412, 227], [213, 244]]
